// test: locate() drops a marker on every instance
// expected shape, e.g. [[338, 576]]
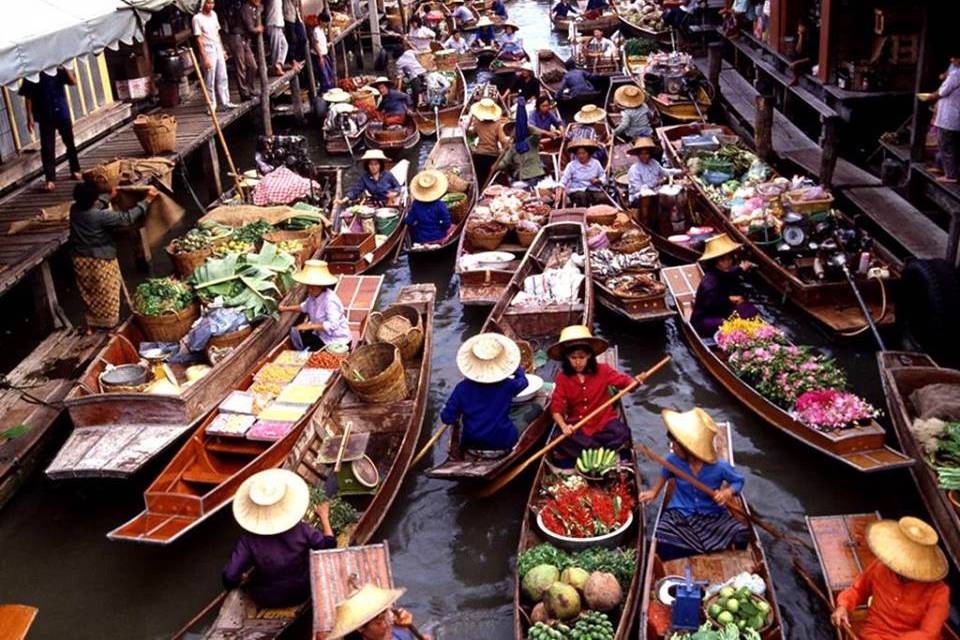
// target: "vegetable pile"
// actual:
[[596, 461], [739, 607], [158, 296], [251, 282], [727, 632], [621, 563], [576, 509], [639, 47], [252, 232], [940, 442], [342, 513]]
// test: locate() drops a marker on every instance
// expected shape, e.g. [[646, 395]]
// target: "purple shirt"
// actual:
[[326, 309], [281, 564]]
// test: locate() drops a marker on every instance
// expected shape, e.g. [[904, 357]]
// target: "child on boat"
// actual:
[[428, 220], [720, 293], [326, 321], [695, 522]]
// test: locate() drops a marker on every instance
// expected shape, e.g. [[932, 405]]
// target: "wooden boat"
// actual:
[[16, 620], [550, 69], [902, 373], [608, 22], [843, 554], [830, 301], [449, 114], [338, 141], [676, 102], [603, 67], [714, 568], [503, 70], [860, 447], [356, 253], [203, 476], [451, 153], [392, 140], [630, 25], [528, 327]]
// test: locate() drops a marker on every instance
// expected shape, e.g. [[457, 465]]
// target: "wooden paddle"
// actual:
[[812, 585], [491, 489], [426, 448], [732, 505]]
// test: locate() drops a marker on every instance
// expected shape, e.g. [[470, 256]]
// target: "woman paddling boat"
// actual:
[[720, 292], [376, 183], [326, 321]]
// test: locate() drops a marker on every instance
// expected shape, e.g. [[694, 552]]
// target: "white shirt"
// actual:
[[207, 27], [274, 13], [320, 38], [408, 65], [460, 46], [603, 46], [422, 37]]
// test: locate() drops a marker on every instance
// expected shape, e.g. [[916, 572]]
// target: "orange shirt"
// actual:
[[900, 610]]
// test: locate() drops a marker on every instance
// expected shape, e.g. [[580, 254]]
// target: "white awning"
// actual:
[[40, 35]]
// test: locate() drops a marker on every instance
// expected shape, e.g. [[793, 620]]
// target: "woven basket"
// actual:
[[613, 235], [526, 356], [458, 208], [602, 219], [231, 339], [486, 242], [401, 326], [310, 238], [455, 183], [169, 327], [381, 375], [186, 263], [104, 176], [807, 206], [525, 238], [157, 133]]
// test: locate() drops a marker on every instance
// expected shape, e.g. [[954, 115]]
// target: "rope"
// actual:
[[27, 396], [883, 313]]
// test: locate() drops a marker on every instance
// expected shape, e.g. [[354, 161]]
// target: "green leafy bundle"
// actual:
[[342, 513], [621, 563], [728, 632], [640, 47], [947, 457], [252, 232], [253, 283], [158, 296]]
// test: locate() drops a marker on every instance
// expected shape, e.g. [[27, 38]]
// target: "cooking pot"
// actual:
[[124, 375]]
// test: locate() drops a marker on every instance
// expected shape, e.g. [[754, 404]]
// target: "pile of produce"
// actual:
[[740, 607], [607, 264], [636, 285], [648, 16], [641, 47], [325, 360], [292, 247], [727, 632], [509, 206], [577, 509], [342, 513], [302, 221], [252, 282], [158, 296], [620, 563], [596, 462], [252, 232], [592, 625], [940, 442]]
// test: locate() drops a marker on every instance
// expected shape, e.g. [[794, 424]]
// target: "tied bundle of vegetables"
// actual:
[[251, 282], [947, 457], [727, 632], [252, 232], [596, 461], [640, 47], [158, 296]]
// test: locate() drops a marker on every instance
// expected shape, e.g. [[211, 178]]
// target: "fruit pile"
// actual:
[[292, 247], [591, 625], [596, 462], [233, 246], [193, 240], [740, 607]]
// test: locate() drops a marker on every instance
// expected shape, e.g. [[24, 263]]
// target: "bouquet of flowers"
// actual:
[[829, 409], [576, 509], [740, 333], [782, 372]]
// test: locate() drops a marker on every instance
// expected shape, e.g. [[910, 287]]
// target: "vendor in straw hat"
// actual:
[[276, 543], [490, 364], [395, 105], [585, 123], [369, 614], [483, 35], [720, 292], [522, 160], [326, 320], [634, 113], [646, 173], [375, 183], [428, 219], [581, 386], [904, 584], [583, 177], [695, 522], [485, 123], [524, 84], [511, 44]]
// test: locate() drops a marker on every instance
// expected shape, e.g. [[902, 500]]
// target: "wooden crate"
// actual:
[[349, 247]]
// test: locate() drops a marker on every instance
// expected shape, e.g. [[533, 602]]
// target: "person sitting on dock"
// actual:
[[368, 614], [694, 522], [511, 44], [376, 183], [420, 36], [646, 173], [409, 67], [522, 160], [720, 292], [563, 9], [904, 584], [482, 403], [276, 543], [499, 9], [462, 16], [634, 114], [395, 105], [544, 119], [491, 140], [456, 43], [582, 385], [576, 82], [583, 177], [428, 220], [524, 84], [326, 320]]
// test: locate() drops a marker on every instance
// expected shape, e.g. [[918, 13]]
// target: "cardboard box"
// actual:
[[137, 67], [135, 89]]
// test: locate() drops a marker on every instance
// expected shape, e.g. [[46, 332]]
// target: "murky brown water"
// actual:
[[453, 554]]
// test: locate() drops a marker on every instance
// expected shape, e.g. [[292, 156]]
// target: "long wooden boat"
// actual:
[[672, 104], [451, 153], [530, 327], [604, 138], [344, 256], [843, 554], [902, 373], [16, 620], [860, 447], [714, 568], [630, 25], [203, 476], [829, 301], [391, 140], [449, 114], [503, 70], [607, 22], [550, 69]]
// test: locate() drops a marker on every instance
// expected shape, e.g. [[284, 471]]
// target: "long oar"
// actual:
[[812, 585], [426, 448], [732, 505], [505, 480]]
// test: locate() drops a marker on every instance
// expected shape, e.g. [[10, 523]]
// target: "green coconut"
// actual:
[[562, 600], [538, 580]]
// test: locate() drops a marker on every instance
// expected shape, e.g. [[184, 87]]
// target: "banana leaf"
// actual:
[[252, 283]]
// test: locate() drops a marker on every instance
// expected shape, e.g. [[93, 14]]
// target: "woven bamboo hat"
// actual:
[[718, 246], [316, 273], [361, 607], [582, 143], [484, 21], [510, 23], [589, 114], [271, 502], [380, 80], [428, 185], [486, 109], [693, 429], [373, 154], [908, 547], [642, 144], [488, 357], [336, 95], [576, 335], [629, 96]]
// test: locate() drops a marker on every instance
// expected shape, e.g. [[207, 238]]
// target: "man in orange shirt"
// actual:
[[910, 599]]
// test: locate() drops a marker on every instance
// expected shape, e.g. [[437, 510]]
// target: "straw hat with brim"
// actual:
[[361, 607], [693, 429], [271, 502], [488, 358], [380, 80], [336, 95], [589, 114], [576, 335], [373, 154], [315, 273], [908, 547], [484, 21], [642, 144], [428, 185], [718, 246], [486, 109], [508, 23], [582, 143], [629, 96]]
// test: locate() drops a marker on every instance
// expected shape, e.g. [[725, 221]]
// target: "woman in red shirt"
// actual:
[[582, 385]]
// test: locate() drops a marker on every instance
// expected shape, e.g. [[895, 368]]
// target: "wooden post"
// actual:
[[763, 127], [374, 10], [714, 64], [828, 149], [308, 60], [920, 120], [264, 87], [211, 168], [47, 300], [827, 55], [296, 97]]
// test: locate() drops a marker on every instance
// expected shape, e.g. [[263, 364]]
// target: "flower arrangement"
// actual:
[[827, 409], [783, 372], [578, 510], [737, 332]]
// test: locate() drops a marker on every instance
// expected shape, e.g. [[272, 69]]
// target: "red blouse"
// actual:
[[574, 399]]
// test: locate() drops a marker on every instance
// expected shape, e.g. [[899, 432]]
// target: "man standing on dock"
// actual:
[[275, 35], [206, 28], [46, 104], [239, 31], [947, 122]]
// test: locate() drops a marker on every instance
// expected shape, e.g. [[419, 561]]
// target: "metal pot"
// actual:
[[124, 375], [170, 64]]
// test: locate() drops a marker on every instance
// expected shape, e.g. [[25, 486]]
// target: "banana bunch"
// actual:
[[596, 461]]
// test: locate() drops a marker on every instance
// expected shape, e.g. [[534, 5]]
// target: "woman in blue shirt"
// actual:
[[380, 186], [490, 362], [428, 220], [695, 522], [499, 9]]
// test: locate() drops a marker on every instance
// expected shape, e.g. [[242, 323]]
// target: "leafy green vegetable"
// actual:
[[14, 432], [620, 563], [253, 231], [157, 296], [640, 47], [544, 553], [342, 513], [251, 282], [728, 632]]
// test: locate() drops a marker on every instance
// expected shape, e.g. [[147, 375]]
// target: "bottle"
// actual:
[[864, 263]]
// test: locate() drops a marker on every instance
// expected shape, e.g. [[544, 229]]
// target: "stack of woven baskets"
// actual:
[[375, 373], [401, 326]]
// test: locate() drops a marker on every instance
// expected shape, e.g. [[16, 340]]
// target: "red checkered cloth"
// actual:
[[281, 186]]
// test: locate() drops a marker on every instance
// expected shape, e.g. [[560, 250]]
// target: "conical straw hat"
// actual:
[[316, 273], [642, 144], [718, 246], [582, 143], [576, 335], [629, 96], [336, 95], [695, 430], [373, 154], [271, 502], [429, 185], [589, 114], [361, 607], [486, 109], [488, 357], [908, 547]]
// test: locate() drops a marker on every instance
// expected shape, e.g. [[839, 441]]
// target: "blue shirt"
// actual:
[[576, 82], [395, 102], [545, 121], [377, 189], [486, 35], [597, 5], [499, 9], [484, 411], [48, 97], [690, 500], [428, 221], [562, 10]]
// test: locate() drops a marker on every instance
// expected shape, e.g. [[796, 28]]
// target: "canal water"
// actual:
[[454, 554]]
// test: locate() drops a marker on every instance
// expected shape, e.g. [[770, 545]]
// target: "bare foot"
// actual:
[[47, 186], [76, 175], [935, 170]]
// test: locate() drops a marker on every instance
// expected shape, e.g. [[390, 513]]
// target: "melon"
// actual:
[[538, 580], [562, 600]]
